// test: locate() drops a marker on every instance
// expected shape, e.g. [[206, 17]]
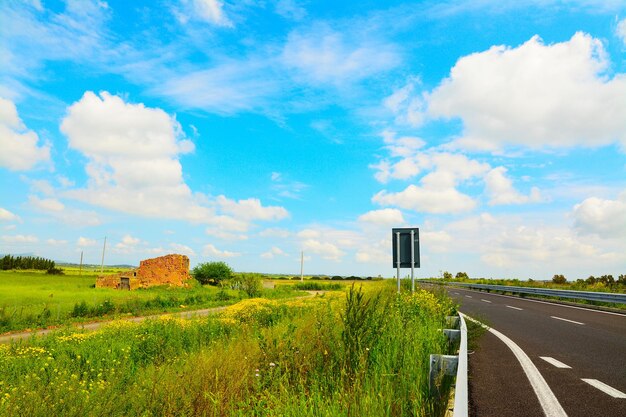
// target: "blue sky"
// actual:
[[250, 131]]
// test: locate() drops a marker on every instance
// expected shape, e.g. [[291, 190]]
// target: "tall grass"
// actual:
[[362, 354]]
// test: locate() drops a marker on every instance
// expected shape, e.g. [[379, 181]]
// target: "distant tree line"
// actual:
[[25, 262]]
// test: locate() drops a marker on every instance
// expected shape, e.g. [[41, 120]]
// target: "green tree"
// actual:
[[447, 276], [462, 275], [212, 272], [559, 279]]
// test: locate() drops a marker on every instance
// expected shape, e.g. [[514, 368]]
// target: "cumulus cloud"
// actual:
[[437, 191], [20, 150], [182, 249], [127, 244], [501, 191], [602, 217], [133, 165], [535, 95], [384, 217], [133, 158], [7, 216], [210, 250], [45, 204]]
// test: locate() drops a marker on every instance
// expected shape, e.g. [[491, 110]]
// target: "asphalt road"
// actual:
[[580, 353]]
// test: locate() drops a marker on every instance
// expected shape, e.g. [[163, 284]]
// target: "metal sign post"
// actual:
[[405, 251], [412, 260], [398, 259]]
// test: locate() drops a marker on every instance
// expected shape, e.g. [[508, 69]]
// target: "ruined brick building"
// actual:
[[172, 270]]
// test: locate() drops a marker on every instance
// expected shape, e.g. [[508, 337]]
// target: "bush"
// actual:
[[447, 276], [251, 284], [212, 272], [462, 275], [55, 271], [559, 279], [337, 278]]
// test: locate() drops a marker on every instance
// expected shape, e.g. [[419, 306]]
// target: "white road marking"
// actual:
[[549, 403], [554, 362], [468, 296], [486, 301], [558, 305], [607, 389], [570, 321], [515, 308], [455, 293]]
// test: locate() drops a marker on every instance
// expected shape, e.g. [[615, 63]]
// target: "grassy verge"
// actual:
[[359, 353]]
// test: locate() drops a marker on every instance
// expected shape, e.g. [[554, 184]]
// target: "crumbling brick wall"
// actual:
[[170, 270]]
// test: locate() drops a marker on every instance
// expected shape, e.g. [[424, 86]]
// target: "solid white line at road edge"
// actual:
[[547, 399], [607, 389], [554, 362], [568, 320]]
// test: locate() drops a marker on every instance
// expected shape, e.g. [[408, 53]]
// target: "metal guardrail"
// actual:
[[461, 399], [605, 297], [453, 365]]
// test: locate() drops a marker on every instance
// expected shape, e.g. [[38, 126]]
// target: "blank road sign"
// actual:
[[405, 246]]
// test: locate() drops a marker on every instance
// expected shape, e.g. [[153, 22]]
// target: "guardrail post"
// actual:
[[440, 366]]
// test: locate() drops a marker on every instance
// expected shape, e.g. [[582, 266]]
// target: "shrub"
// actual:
[[55, 271], [462, 275], [447, 276], [251, 284], [337, 278], [212, 272], [559, 279]]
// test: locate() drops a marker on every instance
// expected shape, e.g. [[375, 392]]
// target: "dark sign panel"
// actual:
[[405, 246]]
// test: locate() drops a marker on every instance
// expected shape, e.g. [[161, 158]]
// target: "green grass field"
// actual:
[[35, 299], [363, 351]]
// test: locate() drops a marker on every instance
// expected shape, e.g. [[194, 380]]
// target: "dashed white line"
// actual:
[[455, 293], [468, 296], [607, 389], [568, 320], [515, 308], [554, 362], [486, 301], [547, 399], [555, 304]]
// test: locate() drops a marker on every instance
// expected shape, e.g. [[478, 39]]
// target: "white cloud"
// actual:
[[45, 204], [309, 234], [7, 216], [273, 252], [385, 217], [55, 242], [133, 158], [228, 87], [602, 217], [437, 192], [407, 108], [326, 250], [183, 249], [127, 244], [251, 209], [85, 242], [427, 200], [60, 212], [501, 191], [621, 31], [19, 239], [19, 145], [211, 251], [322, 55], [211, 11], [531, 96]]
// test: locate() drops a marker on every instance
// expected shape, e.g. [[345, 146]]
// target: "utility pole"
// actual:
[[80, 268], [301, 266], [103, 249]]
